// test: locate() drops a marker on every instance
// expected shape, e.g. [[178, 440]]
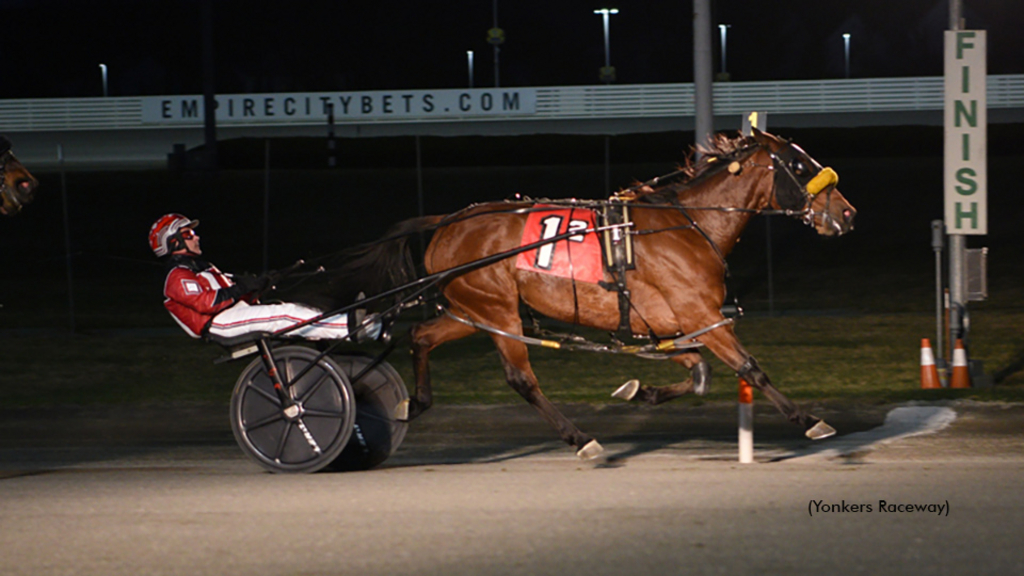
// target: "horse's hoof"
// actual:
[[402, 411], [700, 388], [590, 450], [820, 431], [628, 390]]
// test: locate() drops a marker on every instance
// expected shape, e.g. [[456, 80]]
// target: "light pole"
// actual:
[[469, 61], [607, 73], [846, 51], [722, 31], [103, 75], [496, 37]]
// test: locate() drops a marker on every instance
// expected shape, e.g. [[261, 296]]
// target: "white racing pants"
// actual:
[[244, 318]]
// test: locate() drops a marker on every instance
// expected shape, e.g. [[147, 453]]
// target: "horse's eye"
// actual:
[[799, 168]]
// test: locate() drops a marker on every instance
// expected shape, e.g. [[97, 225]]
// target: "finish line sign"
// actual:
[[347, 107], [966, 120]]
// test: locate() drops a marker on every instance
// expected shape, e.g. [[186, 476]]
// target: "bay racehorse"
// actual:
[[17, 187], [682, 230]]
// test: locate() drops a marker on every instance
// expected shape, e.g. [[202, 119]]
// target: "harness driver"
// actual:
[[225, 308]]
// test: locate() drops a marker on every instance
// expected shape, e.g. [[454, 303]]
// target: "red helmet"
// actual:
[[165, 233]]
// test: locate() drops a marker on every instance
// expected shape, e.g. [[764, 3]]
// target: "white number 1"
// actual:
[[549, 229]]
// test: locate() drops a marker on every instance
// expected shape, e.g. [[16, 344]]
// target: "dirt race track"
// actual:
[[488, 490]]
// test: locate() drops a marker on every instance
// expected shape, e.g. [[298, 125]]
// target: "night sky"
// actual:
[[53, 48]]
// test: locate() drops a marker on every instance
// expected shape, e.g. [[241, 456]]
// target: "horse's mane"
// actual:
[[715, 156]]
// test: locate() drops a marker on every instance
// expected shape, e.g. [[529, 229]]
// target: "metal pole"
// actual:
[[103, 75], [702, 88], [497, 50], [67, 239], [846, 51], [209, 81], [722, 32], [469, 61], [607, 164], [419, 177], [332, 142], [955, 9], [266, 205], [937, 245], [607, 43], [957, 242], [771, 268], [420, 208]]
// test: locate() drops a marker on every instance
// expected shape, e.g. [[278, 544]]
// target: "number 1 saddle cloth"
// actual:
[[577, 257]]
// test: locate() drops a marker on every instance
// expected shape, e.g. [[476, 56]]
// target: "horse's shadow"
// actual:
[[774, 446], [901, 422]]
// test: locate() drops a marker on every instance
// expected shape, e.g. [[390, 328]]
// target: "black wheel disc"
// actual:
[[282, 442], [378, 390]]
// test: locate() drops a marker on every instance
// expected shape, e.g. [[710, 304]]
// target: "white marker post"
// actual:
[[746, 402]]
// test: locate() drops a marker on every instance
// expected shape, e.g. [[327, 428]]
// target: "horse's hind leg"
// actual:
[[426, 337], [698, 383], [521, 378]]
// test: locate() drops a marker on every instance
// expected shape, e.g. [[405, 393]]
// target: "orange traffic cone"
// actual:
[[929, 373], [961, 374]]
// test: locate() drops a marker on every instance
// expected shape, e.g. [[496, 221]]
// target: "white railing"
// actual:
[[574, 102]]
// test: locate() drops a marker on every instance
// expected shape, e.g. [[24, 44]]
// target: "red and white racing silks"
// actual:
[[243, 318], [192, 294], [205, 301]]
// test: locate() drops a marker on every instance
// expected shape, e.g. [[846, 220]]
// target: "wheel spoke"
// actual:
[[273, 417], [323, 414], [316, 386], [271, 397], [280, 445]]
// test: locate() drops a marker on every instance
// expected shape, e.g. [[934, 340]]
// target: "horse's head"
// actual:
[[18, 185], [805, 188]]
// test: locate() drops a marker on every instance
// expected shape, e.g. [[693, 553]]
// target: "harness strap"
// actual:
[[655, 351], [618, 257]]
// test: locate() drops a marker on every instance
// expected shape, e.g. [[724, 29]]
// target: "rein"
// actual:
[[824, 180]]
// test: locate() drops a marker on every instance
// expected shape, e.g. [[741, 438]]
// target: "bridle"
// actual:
[[806, 181]]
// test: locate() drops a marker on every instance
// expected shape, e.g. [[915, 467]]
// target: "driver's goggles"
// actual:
[[188, 234]]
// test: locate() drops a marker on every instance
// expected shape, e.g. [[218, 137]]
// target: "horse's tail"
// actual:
[[370, 268], [389, 263]]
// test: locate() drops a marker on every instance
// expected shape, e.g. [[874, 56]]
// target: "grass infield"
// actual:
[[865, 358]]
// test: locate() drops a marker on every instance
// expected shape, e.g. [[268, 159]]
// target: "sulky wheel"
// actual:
[[378, 389], [303, 440]]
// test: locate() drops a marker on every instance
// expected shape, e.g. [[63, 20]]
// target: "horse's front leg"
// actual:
[[724, 344], [698, 383]]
